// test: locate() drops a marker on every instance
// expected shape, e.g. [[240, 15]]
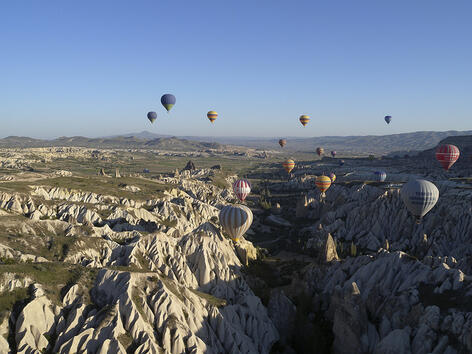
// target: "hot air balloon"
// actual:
[[333, 153], [388, 119], [282, 142], [168, 101], [304, 119], [152, 116], [242, 188], [447, 155], [332, 177], [236, 220], [288, 164], [380, 176], [419, 196], [323, 183], [319, 151], [212, 115], [341, 162]]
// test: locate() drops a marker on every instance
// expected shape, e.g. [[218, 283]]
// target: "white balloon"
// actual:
[[420, 196], [236, 220]]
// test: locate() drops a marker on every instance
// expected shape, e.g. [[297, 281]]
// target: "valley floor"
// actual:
[[124, 254]]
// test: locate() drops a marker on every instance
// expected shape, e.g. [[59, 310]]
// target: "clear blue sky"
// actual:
[[96, 68]]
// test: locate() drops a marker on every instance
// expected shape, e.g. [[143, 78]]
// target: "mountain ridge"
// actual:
[[366, 144]]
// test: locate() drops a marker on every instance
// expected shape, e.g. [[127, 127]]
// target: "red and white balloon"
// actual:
[[242, 188], [447, 155]]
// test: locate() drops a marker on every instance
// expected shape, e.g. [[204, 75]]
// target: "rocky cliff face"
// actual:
[[168, 280], [406, 288]]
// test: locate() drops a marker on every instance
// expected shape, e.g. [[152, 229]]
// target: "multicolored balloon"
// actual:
[[304, 119], [282, 142], [319, 151], [242, 188], [323, 183], [388, 119], [152, 116], [333, 153], [380, 176], [288, 165], [168, 101], [235, 220], [419, 196], [332, 176], [447, 155], [212, 115]]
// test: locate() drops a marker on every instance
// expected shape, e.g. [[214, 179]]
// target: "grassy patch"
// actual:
[[53, 248], [215, 301], [168, 222], [125, 339], [96, 184], [9, 298], [52, 276], [138, 301]]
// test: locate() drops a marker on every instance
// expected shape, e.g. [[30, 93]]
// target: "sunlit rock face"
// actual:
[[168, 280]]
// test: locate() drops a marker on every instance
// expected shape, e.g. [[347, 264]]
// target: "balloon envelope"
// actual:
[[235, 220], [212, 115], [333, 153], [282, 142], [152, 116], [323, 183], [304, 119], [447, 155], [332, 176], [341, 162], [242, 188], [388, 119], [168, 101], [419, 196], [320, 151], [288, 165], [380, 176]]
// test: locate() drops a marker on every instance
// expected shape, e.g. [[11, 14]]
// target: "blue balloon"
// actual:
[[168, 101], [388, 119], [380, 176], [152, 116], [341, 162]]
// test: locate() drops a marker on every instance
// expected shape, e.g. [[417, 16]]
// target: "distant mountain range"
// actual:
[[375, 144], [160, 143], [369, 144]]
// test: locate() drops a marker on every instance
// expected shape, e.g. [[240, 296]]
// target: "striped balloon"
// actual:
[[235, 220], [447, 155], [320, 151], [212, 115], [380, 176], [288, 164], [304, 119], [242, 188], [323, 183], [419, 196], [332, 177]]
